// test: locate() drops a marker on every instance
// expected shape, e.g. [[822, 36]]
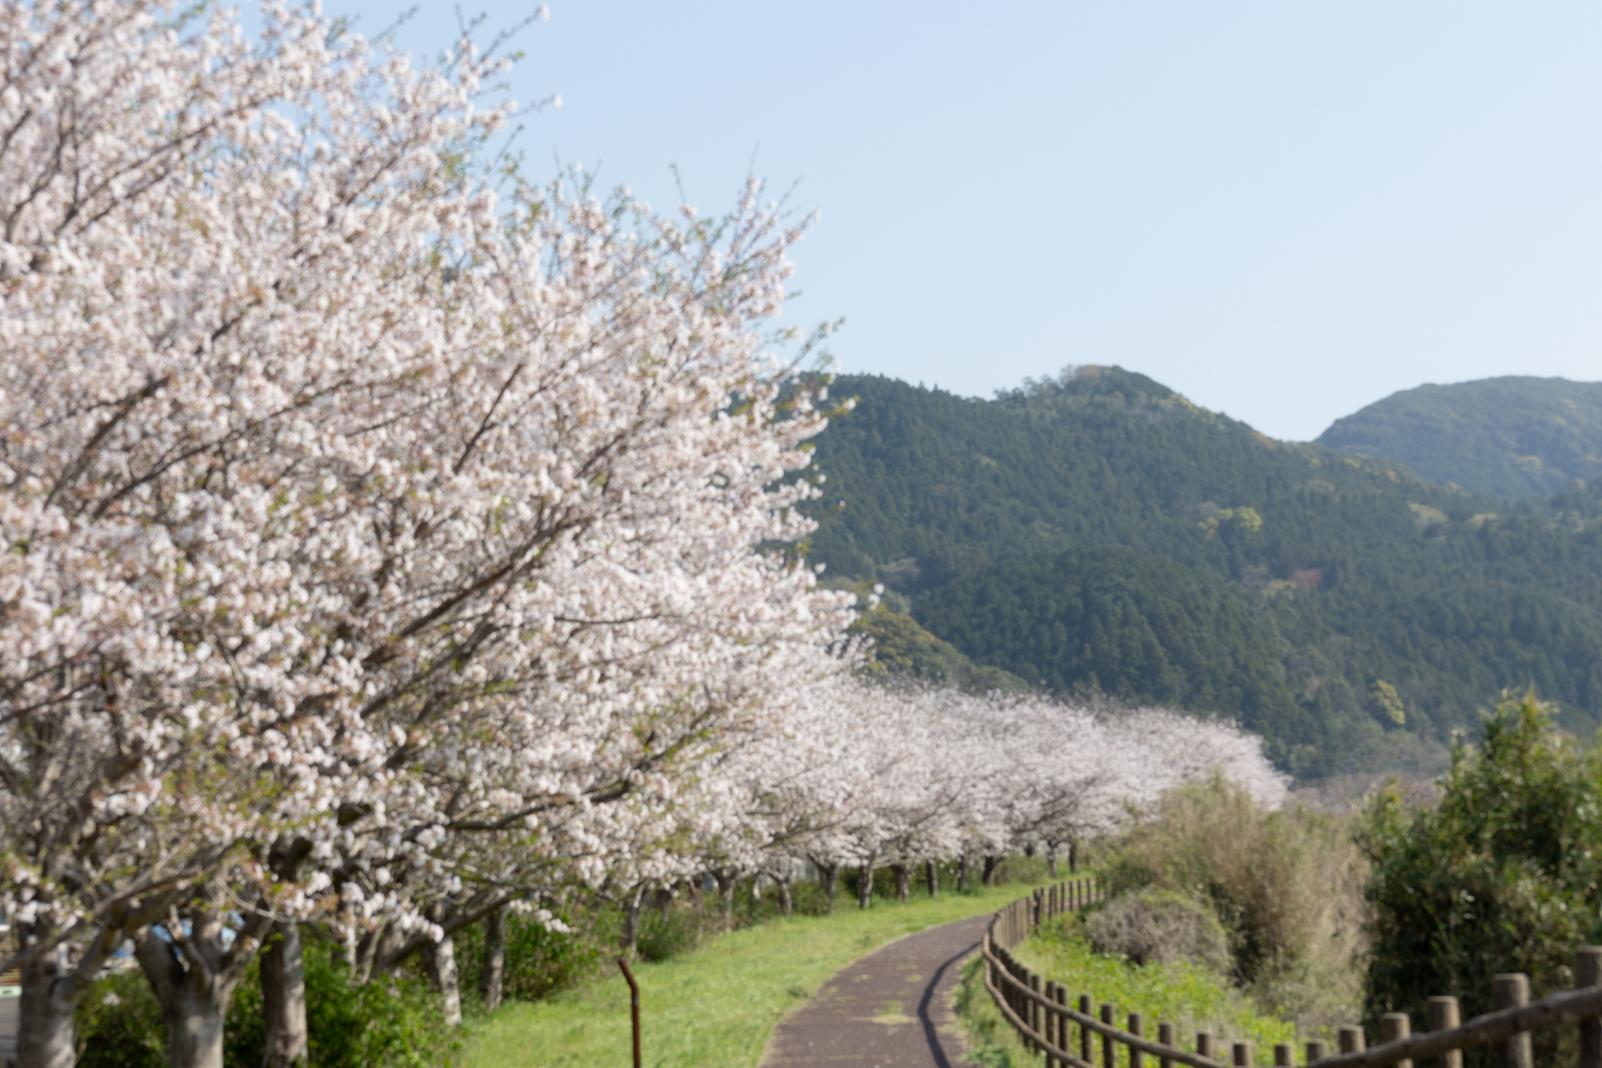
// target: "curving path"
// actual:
[[891, 1009]]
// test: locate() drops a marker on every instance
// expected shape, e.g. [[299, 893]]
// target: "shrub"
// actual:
[[1161, 927], [539, 961], [119, 1024], [1500, 875], [1287, 886]]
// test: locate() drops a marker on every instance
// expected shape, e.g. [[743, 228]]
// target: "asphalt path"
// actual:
[[891, 1009]]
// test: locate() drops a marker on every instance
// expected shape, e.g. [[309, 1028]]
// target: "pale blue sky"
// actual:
[[1284, 209]]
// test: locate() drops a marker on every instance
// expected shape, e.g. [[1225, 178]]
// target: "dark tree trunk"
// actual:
[[1051, 860], [903, 881], [931, 878], [629, 942], [1073, 857], [283, 999], [492, 980], [726, 882], [987, 877], [47, 1037], [440, 960], [865, 886], [786, 899], [829, 880], [962, 874]]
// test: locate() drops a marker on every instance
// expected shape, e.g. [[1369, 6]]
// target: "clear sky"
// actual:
[[1284, 209]]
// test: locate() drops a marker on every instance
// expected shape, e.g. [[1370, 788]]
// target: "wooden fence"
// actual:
[[1069, 1031]]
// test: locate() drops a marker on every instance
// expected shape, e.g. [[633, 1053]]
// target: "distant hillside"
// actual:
[[1100, 532], [1513, 437]]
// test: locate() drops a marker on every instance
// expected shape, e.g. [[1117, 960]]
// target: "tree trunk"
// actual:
[[629, 942], [962, 874], [1051, 860], [193, 997], [47, 1037], [931, 878], [865, 886], [903, 881], [828, 879], [283, 999], [725, 880], [1073, 857], [194, 1019], [987, 877], [786, 900], [441, 963], [492, 981]]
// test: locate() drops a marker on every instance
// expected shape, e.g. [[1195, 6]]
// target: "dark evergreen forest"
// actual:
[[1100, 533]]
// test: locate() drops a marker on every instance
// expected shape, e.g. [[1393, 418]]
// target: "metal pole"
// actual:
[[634, 1006]]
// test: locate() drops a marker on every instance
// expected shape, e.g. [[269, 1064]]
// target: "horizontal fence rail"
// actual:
[[1070, 1032]]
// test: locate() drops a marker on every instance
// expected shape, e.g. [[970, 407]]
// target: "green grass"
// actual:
[[716, 1005], [1190, 997]]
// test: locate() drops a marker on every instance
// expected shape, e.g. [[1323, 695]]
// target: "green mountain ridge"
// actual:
[[1515, 437], [1099, 531]]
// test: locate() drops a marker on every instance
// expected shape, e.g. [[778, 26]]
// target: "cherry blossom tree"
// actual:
[[361, 527]]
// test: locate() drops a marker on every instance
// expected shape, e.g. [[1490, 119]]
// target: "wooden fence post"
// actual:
[[1134, 1029], [1241, 1055], [1165, 1035], [1316, 1051], [1204, 1044], [1085, 1031], [1284, 1056], [1588, 972], [1443, 1015], [1351, 1039], [1052, 1038], [1109, 1050], [1395, 1026], [1033, 1016], [1063, 1032], [1513, 991]]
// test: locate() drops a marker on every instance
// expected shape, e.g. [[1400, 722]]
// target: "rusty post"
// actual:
[[634, 1006]]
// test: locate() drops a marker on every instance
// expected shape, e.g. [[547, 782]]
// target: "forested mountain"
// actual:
[[1100, 532], [1512, 437]]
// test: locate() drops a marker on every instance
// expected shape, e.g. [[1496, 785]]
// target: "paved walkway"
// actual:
[[891, 1009]]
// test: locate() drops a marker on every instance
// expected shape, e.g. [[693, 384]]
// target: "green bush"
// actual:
[[393, 1021], [1287, 886], [539, 961], [1501, 875], [119, 1024]]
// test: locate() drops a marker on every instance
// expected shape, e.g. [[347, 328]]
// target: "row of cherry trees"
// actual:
[[386, 542], [867, 776]]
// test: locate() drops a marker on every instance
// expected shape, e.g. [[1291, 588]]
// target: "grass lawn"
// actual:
[[713, 1007]]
